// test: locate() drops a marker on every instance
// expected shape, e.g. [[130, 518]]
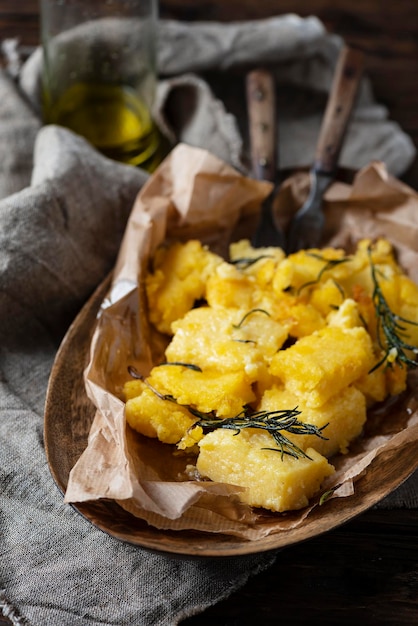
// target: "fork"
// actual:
[[261, 105], [307, 225]]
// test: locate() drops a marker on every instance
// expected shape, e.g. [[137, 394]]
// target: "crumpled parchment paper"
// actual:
[[194, 194]]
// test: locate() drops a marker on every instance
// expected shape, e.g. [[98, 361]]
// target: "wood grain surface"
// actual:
[[363, 573], [366, 571]]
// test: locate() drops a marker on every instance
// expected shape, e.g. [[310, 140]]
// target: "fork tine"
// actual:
[[308, 223]]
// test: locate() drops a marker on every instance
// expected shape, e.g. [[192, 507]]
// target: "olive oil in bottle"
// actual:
[[111, 118]]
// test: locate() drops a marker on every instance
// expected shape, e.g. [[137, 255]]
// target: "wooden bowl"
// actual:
[[68, 417]]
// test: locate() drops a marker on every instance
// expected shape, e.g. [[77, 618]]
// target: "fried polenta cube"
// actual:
[[389, 379], [408, 297], [327, 297], [260, 263], [342, 418], [178, 279], [243, 251], [367, 310], [346, 316], [303, 320], [357, 273], [298, 316], [154, 417], [225, 393], [271, 480], [304, 268], [407, 292], [191, 438], [228, 287], [323, 364], [226, 340], [396, 378], [374, 386], [132, 389]]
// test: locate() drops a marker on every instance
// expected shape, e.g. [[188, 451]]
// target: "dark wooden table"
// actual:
[[366, 571]]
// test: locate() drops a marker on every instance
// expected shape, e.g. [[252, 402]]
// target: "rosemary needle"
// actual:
[[247, 315], [244, 262], [190, 366]]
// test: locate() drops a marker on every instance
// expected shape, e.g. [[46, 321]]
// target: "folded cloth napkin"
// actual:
[[302, 56], [62, 214]]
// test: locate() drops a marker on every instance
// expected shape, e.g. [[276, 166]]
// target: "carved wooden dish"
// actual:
[[68, 416]]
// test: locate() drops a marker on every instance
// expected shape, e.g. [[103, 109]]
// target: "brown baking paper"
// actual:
[[195, 195]]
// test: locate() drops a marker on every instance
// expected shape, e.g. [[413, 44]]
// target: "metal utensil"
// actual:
[[307, 225], [261, 105]]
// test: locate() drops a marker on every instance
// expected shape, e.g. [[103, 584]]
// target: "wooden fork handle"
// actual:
[[340, 104], [262, 123]]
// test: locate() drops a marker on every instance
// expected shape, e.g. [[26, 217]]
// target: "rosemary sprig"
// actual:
[[245, 341], [189, 366], [390, 327], [274, 422], [244, 262], [247, 315], [329, 265]]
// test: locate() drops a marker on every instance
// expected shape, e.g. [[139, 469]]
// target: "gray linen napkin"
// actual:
[[302, 55], [58, 239], [62, 214]]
